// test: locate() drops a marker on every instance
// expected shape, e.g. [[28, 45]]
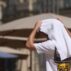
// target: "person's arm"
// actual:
[[30, 41], [68, 31]]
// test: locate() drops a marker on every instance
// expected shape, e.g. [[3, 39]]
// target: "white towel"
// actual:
[[56, 31]]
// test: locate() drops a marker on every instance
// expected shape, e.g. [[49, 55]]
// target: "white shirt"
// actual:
[[58, 38], [48, 48]]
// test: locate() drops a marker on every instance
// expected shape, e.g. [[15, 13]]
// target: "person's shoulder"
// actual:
[[49, 21]]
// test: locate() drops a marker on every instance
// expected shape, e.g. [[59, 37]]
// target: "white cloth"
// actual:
[[48, 48], [59, 38], [57, 32]]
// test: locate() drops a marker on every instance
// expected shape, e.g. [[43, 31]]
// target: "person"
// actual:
[[58, 37]]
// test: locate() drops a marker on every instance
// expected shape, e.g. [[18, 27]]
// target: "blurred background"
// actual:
[[18, 13], [14, 9]]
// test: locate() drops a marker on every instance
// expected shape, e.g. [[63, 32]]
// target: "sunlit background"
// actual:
[[13, 10]]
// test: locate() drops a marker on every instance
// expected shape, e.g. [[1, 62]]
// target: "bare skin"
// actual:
[[31, 38], [30, 41], [68, 31]]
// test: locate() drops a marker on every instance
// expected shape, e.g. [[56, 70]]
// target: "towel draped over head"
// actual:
[[56, 31]]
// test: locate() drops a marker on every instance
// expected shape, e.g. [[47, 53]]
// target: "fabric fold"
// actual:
[[56, 31]]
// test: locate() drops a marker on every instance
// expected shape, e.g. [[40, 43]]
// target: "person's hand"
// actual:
[[31, 37]]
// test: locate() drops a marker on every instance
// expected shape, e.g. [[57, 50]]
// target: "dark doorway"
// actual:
[[8, 64]]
